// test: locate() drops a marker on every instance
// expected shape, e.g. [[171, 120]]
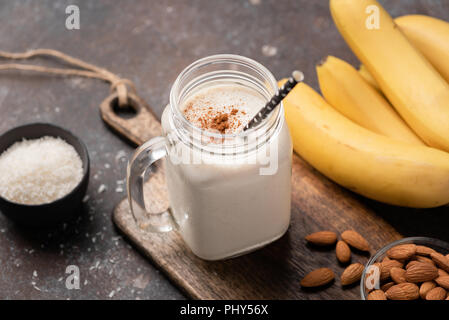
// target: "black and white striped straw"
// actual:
[[297, 77]]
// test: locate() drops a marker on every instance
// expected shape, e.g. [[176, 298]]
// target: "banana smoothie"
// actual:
[[228, 188], [224, 205]]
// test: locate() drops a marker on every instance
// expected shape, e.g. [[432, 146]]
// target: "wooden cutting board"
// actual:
[[273, 272]]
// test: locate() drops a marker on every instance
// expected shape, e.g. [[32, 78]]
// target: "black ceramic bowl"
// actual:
[[59, 210]]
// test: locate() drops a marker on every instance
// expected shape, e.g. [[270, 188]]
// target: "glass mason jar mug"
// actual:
[[229, 194]]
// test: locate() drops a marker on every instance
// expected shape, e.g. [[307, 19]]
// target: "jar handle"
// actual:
[[143, 159]]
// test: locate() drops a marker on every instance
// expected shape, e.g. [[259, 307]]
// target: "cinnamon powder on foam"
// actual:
[[210, 112]]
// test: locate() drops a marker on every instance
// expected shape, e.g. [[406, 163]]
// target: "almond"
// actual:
[[377, 295], [397, 275], [425, 288], [443, 282], [421, 272], [403, 291], [437, 293], [343, 252], [386, 267], [442, 273], [387, 286], [317, 278], [322, 238], [352, 274], [355, 240], [411, 263], [424, 251], [440, 260], [402, 251], [424, 259]]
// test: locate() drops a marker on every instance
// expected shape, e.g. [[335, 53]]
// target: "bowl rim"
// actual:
[[418, 240], [85, 162]]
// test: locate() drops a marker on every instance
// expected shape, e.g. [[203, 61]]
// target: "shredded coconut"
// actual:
[[102, 188], [39, 171]]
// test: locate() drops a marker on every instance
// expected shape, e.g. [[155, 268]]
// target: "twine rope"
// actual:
[[87, 70]]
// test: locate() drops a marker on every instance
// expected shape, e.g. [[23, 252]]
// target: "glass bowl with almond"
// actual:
[[408, 269]]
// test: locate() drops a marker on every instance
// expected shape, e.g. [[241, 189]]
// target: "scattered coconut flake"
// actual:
[[111, 294], [35, 287], [35, 274], [121, 156], [141, 281], [269, 51], [94, 266], [107, 165], [86, 198], [102, 188]]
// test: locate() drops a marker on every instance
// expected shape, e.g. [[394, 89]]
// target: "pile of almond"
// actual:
[[407, 272], [352, 273], [410, 272]]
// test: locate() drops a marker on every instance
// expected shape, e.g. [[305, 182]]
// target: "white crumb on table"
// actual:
[[102, 188], [269, 51]]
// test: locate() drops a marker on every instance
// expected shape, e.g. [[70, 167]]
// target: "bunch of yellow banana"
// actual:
[[357, 138], [365, 162], [416, 90]]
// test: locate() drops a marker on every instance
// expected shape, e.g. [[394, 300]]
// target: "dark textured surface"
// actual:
[[149, 42]]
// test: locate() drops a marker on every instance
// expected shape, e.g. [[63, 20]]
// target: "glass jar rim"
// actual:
[[215, 59]]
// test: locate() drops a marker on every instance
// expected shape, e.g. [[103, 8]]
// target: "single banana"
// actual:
[[370, 164], [368, 77], [345, 90], [431, 37], [416, 90]]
